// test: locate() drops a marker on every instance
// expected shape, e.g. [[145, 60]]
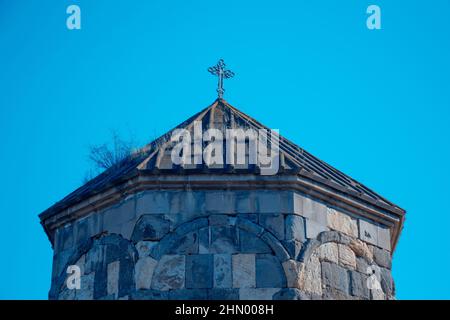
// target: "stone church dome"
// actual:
[[151, 228]]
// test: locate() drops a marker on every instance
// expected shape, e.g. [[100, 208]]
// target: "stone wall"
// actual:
[[223, 245]]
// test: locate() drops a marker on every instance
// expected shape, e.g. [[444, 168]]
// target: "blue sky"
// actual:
[[374, 104]]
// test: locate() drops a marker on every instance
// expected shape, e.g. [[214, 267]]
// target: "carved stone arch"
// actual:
[[218, 242]]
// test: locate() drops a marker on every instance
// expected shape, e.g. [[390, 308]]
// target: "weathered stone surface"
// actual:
[[244, 202], [293, 271], [169, 274], [269, 272], [223, 294], [342, 222], [188, 294], [310, 279], [361, 265], [274, 223], [81, 230], [310, 246], [249, 226], [199, 271], [329, 236], [276, 246], [176, 244], [368, 231], [149, 295], [143, 272], [244, 273], [257, 293], [222, 271], [152, 202], [384, 238], [253, 217], [377, 294], [66, 237], [116, 215], [334, 276], [290, 294], [126, 276], [219, 202], [358, 285], [150, 227], [268, 202], [86, 287], [361, 249], [224, 240], [295, 228], [311, 209], [335, 294], [204, 240], [293, 247], [313, 228], [144, 248], [382, 257], [250, 243], [328, 252], [387, 283], [113, 278], [347, 257], [220, 220]]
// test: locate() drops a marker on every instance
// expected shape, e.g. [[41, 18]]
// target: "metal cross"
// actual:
[[220, 71]]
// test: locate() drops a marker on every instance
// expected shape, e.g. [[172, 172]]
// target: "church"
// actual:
[[191, 229]]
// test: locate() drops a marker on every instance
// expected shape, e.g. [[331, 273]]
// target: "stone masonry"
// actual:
[[147, 229]]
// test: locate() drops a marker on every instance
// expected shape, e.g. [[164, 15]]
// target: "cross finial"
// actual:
[[220, 71]]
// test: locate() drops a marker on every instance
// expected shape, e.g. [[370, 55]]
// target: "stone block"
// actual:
[[329, 236], [276, 246], [329, 252], [222, 271], [274, 223], [66, 236], [368, 231], [293, 271], [268, 202], [126, 276], [334, 276], [361, 249], [224, 239], [358, 285], [384, 238], [361, 265], [199, 271], [347, 257], [152, 202], [188, 294], [342, 222], [386, 281], [86, 287], [310, 277], [149, 295], [244, 202], [144, 248], [249, 226], [175, 244], [313, 228], [310, 208], [143, 272], [82, 232], [290, 294], [295, 228], [219, 220], [249, 243], [150, 228], [113, 278], [253, 217], [219, 202], [243, 271], [204, 240], [223, 294], [169, 274], [257, 293], [382, 257], [335, 294], [269, 272]]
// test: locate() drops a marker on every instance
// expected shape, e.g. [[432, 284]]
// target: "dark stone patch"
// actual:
[[199, 271], [223, 294], [290, 294], [249, 243], [382, 257], [188, 294], [358, 285], [149, 295], [224, 239], [150, 227], [335, 276], [293, 247], [269, 272], [295, 228], [274, 223]]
